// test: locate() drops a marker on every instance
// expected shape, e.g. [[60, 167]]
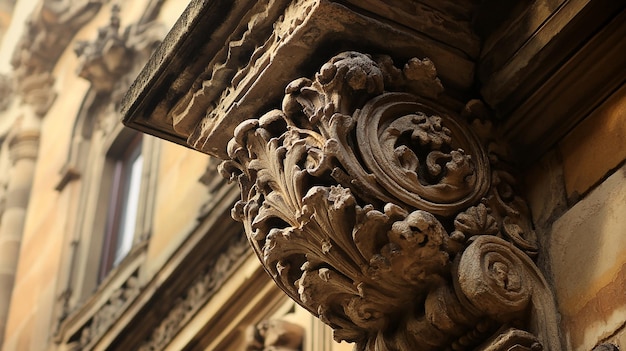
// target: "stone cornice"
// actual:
[[548, 66], [258, 52], [520, 72]]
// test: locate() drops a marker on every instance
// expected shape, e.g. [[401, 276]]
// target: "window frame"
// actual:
[[116, 232]]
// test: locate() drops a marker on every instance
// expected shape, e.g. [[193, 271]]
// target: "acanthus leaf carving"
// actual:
[[363, 197]]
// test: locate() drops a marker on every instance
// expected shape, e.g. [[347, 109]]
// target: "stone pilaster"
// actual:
[[48, 32], [23, 149]]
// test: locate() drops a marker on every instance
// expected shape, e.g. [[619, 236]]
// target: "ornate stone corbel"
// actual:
[[112, 55], [105, 59], [392, 218]]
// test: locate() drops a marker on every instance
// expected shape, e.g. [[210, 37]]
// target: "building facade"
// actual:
[[410, 175], [111, 239]]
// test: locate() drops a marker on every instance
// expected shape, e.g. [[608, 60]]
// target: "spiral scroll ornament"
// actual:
[[362, 194]]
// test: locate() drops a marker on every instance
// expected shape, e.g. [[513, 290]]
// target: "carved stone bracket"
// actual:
[[392, 218], [107, 59]]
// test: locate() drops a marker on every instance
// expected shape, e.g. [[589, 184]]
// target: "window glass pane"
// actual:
[[129, 208]]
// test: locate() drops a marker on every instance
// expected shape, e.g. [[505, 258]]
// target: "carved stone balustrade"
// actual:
[[381, 202]]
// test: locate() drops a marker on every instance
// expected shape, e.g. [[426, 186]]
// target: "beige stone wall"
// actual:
[[179, 198], [578, 198]]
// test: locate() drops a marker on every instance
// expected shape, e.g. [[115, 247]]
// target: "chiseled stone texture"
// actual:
[[596, 146], [588, 259], [546, 196]]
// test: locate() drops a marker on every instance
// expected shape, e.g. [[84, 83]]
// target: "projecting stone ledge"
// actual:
[[225, 61]]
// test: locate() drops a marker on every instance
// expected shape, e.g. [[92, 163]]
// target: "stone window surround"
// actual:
[[84, 293]]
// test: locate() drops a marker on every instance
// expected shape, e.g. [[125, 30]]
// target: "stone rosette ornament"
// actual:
[[390, 217]]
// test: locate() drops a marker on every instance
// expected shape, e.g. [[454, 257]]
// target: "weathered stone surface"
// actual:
[[559, 75], [349, 195], [204, 102], [596, 146], [588, 261], [545, 190], [339, 210]]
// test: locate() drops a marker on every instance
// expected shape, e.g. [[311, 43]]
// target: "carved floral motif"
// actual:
[[115, 54], [388, 216]]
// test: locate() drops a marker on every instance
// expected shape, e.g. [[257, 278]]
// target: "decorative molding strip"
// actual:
[[107, 314], [391, 218], [237, 58], [199, 292]]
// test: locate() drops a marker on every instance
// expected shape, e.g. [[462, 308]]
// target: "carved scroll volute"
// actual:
[[365, 201]]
